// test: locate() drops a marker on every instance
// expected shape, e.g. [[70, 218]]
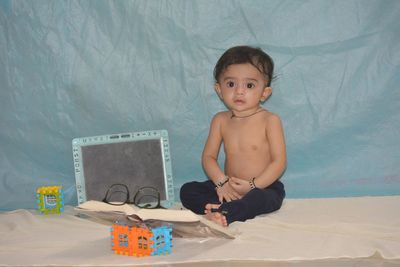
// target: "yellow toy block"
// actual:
[[50, 199]]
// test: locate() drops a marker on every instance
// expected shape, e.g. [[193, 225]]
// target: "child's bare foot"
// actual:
[[216, 217]]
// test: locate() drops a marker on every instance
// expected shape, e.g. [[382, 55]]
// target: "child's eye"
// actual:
[[250, 85], [230, 84]]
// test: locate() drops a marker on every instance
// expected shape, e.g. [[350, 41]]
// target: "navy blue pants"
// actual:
[[195, 196]]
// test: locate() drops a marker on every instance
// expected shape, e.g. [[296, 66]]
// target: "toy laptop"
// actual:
[[135, 159]]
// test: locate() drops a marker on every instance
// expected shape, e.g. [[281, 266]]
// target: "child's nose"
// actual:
[[240, 89]]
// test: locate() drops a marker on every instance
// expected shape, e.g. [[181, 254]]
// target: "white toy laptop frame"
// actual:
[[136, 159]]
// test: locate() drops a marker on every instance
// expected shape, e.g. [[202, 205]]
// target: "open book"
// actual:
[[185, 223]]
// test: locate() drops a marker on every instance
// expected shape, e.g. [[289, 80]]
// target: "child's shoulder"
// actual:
[[271, 119], [268, 115], [222, 115], [220, 118]]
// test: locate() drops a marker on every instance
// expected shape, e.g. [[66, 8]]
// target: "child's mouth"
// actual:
[[238, 101]]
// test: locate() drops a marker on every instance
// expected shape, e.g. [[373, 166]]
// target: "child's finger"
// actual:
[[233, 184], [233, 181], [236, 195]]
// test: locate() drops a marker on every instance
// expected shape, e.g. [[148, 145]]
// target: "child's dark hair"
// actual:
[[242, 55]]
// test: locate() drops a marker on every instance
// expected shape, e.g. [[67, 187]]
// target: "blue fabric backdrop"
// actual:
[[81, 68]]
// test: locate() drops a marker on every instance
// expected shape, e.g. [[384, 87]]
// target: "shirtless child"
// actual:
[[253, 141]]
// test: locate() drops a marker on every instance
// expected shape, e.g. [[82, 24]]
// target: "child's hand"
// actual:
[[227, 192], [241, 186]]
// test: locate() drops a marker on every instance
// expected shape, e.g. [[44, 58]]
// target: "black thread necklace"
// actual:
[[242, 117]]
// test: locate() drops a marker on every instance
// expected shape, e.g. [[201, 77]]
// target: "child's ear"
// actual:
[[217, 88], [266, 93]]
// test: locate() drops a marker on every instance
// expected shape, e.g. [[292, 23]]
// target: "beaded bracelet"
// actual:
[[252, 184], [221, 183]]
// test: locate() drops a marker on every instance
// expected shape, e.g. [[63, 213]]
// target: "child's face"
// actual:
[[242, 87]]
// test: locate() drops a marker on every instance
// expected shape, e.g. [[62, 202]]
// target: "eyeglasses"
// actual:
[[147, 197]]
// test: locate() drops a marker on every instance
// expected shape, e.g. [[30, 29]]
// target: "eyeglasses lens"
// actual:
[[148, 198], [117, 194]]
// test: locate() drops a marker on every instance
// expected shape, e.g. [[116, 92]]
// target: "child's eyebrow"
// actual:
[[251, 79], [229, 78], [234, 78]]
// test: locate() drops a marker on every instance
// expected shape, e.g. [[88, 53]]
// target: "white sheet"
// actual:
[[304, 229]]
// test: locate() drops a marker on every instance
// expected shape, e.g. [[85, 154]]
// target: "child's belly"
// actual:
[[246, 166]]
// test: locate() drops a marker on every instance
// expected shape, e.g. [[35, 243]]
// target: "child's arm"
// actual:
[[276, 138], [210, 160], [275, 168]]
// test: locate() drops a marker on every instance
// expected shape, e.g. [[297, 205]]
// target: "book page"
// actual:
[[144, 214], [168, 215], [93, 205]]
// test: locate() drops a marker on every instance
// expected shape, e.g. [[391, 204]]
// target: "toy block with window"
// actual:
[[50, 199], [141, 241]]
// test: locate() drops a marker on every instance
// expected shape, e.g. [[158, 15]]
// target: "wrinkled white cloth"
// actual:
[[304, 229]]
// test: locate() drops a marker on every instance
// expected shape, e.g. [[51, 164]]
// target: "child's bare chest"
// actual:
[[245, 137]]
